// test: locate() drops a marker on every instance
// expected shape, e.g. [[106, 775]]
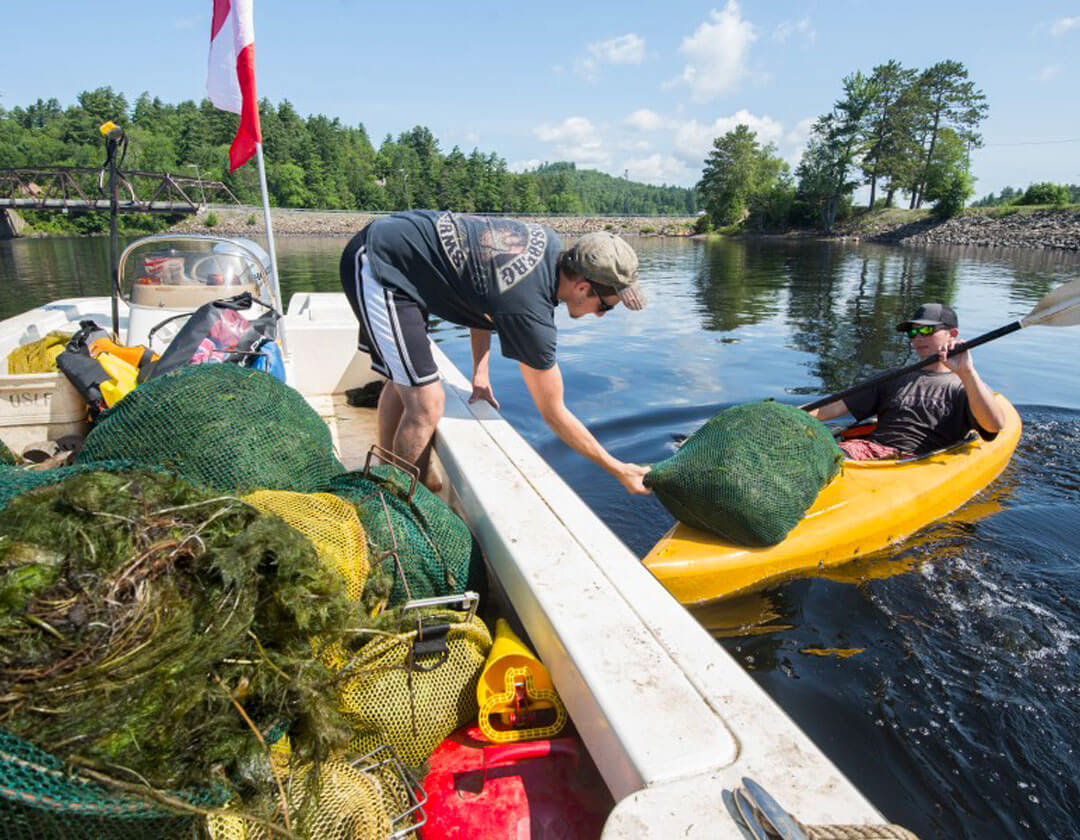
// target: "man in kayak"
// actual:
[[491, 275], [928, 409]]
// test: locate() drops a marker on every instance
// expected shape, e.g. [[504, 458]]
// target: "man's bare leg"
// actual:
[[388, 415], [423, 408]]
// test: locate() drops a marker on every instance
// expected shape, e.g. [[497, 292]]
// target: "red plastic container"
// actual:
[[533, 790]]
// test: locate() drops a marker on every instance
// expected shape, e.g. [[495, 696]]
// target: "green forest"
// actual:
[[316, 162]]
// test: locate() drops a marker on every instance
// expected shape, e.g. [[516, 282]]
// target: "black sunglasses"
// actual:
[[924, 329], [599, 289]]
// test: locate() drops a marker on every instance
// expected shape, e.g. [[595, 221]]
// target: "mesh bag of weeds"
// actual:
[[221, 426], [749, 474], [17, 480], [410, 680], [41, 797], [416, 539], [153, 635]]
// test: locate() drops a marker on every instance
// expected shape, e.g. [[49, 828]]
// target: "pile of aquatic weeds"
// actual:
[[153, 631]]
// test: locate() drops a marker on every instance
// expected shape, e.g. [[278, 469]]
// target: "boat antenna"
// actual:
[[115, 141]]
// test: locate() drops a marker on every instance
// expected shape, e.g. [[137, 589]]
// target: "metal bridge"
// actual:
[[79, 189]]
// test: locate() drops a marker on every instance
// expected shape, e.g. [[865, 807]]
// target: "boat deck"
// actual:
[[669, 718]]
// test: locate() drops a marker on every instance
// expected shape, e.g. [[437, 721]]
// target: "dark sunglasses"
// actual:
[[600, 290], [923, 329]]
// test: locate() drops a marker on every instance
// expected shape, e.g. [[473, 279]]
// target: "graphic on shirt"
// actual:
[[505, 251], [522, 244], [448, 238]]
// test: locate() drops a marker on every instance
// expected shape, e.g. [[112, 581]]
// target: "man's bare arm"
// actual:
[[546, 388]]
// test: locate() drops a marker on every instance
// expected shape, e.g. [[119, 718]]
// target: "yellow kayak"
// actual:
[[869, 505]]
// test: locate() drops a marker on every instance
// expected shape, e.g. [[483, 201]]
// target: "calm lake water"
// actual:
[[960, 715]]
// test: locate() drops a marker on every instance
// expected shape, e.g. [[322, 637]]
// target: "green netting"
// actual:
[[222, 426], [749, 474], [435, 554], [17, 480], [41, 798]]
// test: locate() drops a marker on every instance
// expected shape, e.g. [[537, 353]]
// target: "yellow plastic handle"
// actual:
[[498, 703]]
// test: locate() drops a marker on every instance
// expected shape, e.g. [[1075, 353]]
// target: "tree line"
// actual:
[[1043, 192], [317, 162], [901, 131]]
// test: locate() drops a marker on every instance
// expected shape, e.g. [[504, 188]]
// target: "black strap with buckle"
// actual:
[[430, 641]]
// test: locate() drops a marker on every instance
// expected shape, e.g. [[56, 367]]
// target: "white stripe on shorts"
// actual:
[[383, 329]]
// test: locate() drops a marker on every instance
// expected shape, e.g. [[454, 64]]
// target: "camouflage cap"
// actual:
[[609, 260]]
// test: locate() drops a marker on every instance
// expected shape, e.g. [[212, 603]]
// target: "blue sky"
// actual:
[[640, 89]]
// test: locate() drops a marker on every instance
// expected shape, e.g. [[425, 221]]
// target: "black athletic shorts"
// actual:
[[393, 327]]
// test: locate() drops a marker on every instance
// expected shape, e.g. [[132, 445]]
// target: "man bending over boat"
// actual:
[[928, 409], [491, 275]]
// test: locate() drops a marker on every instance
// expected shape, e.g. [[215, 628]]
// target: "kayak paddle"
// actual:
[[1058, 308]]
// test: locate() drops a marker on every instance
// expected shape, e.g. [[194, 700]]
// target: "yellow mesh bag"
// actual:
[[38, 356], [332, 526], [412, 689], [338, 802]]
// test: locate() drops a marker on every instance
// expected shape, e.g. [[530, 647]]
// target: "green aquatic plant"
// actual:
[[154, 631]]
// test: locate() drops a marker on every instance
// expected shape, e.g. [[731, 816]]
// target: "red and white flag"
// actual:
[[230, 78]]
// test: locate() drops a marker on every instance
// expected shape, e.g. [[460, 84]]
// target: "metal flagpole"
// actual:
[[270, 237]]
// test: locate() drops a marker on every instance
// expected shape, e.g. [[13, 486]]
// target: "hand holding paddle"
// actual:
[[1059, 308]]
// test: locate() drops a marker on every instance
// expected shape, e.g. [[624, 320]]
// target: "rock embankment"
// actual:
[[249, 220], [1037, 229]]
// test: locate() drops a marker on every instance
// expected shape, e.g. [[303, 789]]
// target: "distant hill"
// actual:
[[567, 189]]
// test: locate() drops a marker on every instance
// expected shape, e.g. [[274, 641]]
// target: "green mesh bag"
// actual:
[[15, 481], [425, 547], [749, 474], [42, 798], [229, 428]]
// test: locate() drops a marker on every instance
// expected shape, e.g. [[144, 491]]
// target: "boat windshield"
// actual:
[[161, 265]]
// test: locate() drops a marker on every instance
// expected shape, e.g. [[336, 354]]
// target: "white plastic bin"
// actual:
[[39, 406]]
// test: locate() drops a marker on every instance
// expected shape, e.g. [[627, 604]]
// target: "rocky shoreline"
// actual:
[[1058, 229], [994, 228], [288, 222], [1055, 229]]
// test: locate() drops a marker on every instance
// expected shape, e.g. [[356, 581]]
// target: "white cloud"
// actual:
[[1049, 73], [575, 139], [623, 49], [572, 129], [660, 169], [1062, 25], [526, 165], [716, 53], [800, 27], [645, 120], [800, 133], [693, 140]]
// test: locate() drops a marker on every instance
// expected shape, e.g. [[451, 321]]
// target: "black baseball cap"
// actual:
[[930, 313]]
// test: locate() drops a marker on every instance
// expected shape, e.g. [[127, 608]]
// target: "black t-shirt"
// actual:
[[487, 273], [917, 412]]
